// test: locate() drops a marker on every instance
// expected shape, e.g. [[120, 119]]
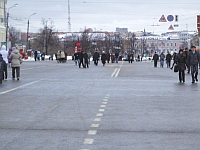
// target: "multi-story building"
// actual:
[[150, 44], [2, 22]]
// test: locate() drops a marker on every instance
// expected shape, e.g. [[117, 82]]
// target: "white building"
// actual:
[[150, 44]]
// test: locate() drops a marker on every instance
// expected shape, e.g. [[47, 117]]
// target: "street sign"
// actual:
[[176, 18], [170, 18], [162, 19], [171, 27]]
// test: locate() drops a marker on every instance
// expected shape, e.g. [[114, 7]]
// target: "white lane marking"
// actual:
[[99, 115], [114, 72], [103, 106], [33, 68], [88, 141], [117, 73], [14, 89], [84, 149], [101, 110], [104, 103], [95, 125], [106, 97], [105, 100], [92, 132], [97, 119]]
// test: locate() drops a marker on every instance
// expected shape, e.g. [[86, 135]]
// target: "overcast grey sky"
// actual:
[[105, 15]]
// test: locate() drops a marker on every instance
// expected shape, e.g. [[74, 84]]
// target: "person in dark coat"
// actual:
[[96, 57], [108, 57], [43, 56], [155, 58], [186, 53], [181, 62], [116, 57], [76, 58], [174, 58], [35, 55], [103, 58], [193, 60], [168, 59], [2, 65], [80, 57], [130, 57], [85, 56]]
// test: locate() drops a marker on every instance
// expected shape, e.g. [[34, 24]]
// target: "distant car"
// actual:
[[146, 58]]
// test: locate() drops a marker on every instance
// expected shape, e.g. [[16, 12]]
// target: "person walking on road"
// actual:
[[174, 58], [168, 59], [155, 58], [130, 57], [35, 55], [2, 65], [80, 57], [85, 56], [193, 60], [103, 58], [76, 58], [181, 62], [116, 57], [186, 56], [162, 59], [9, 60], [15, 62], [108, 57], [96, 57], [4, 54]]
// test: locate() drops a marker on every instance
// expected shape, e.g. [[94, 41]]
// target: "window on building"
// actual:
[[171, 44], [175, 44]]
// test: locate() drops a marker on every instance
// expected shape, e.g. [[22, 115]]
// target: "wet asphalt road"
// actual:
[[117, 107]]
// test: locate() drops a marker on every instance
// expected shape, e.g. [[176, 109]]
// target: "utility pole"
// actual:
[[7, 24], [27, 38], [69, 21]]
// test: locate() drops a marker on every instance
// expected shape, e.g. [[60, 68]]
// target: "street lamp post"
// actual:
[[28, 41], [7, 24]]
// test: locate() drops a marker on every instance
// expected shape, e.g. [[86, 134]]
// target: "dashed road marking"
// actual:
[[97, 119], [101, 110], [103, 106], [95, 125], [88, 141], [92, 132], [99, 115]]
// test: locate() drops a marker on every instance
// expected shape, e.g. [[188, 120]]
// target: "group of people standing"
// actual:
[[11, 58], [83, 58], [185, 60]]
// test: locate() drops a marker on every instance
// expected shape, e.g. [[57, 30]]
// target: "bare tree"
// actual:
[[46, 40]]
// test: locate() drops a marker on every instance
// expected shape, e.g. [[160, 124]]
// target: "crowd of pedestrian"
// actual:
[[184, 60], [82, 59]]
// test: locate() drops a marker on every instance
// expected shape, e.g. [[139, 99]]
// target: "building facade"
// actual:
[[150, 44], [2, 21]]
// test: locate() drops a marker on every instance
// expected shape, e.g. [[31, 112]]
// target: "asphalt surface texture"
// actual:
[[58, 106]]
